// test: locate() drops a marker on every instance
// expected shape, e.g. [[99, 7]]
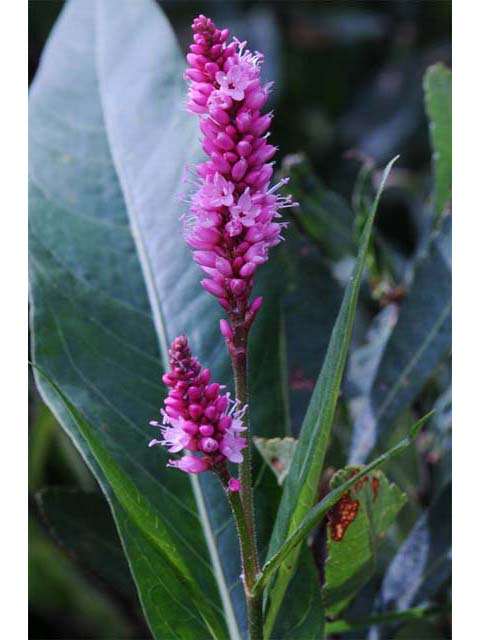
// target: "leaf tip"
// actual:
[[418, 425]]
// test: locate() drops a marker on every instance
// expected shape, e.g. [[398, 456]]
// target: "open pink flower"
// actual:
[[191, 464], [245, 211], [234, 82], [231, 446]]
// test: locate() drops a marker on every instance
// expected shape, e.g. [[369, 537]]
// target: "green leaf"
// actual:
[[315, 515], [82, 524], [356, 526], [308, 324], [437, 85], [420, 339], [302, 482], [201, 614], [277, 453], [55, 584], [41, 436], [423, 562], [344, 626], [323, 215], [304, 618]]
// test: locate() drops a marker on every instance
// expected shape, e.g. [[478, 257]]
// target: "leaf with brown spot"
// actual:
[[355, 526]]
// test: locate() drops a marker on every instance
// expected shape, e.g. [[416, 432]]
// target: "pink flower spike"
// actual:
[[198, 416], [234, 212]]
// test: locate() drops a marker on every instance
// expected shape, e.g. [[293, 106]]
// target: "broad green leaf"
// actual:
[[41, 435], [277, 453], [181, 583], [82, 524], [420, 339], [414, 614], [437, 85], [440, 440], [307, 324], [304, 617], [356, 525], [364, 360], [302, 482], [55, 584], [423, 563]]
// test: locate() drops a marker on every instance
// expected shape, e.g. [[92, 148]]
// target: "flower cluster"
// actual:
[[235, 211], [198, 418]]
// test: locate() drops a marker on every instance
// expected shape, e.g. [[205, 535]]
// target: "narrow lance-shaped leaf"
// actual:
[[302, 482], [437, 84]]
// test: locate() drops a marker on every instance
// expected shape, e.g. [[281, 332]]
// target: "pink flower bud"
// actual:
[[237, 286], [244, 148], [256, 304], [224, 141], [239, 169], [195, 411], [223, 266], [204, 377], [226, 329], [208, 445], [191, 464], [234, 484], [190, 427], [211, 392], [206, 429], [213, 287]]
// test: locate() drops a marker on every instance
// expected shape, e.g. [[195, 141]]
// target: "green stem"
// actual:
[[249, 563], [242, 504], [343, 626]]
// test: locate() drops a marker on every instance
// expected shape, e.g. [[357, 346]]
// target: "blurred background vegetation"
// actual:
[[348, 95]]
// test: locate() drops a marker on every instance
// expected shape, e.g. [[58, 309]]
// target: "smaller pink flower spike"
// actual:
[[198, 418]]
